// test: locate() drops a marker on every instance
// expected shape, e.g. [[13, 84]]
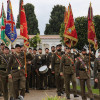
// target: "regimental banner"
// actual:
[[10, 29], [23, 25], [3, 22], [70, 34], [91, 29]]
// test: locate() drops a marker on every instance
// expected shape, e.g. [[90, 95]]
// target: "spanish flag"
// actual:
[[91, 29], [70, 34], [23, 25]]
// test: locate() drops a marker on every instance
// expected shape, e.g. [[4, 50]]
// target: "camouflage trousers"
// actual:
[[4, 82], [82, 85], [67, 79], [19, 81]]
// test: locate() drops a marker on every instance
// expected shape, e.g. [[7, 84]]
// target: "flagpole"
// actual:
[[25, 62], [89, 58]]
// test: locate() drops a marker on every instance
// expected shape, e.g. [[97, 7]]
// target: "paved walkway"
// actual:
[[42, 94]]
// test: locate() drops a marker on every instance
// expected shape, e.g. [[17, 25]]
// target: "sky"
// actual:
[[43, 8]]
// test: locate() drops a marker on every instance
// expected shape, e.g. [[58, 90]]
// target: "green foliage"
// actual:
[[32, 21], [97, 27], [54, 98], [81, 25], [34, 41], [56, 18], [62, 33]]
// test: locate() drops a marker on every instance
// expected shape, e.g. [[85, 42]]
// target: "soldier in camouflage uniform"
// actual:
[[67, 69], [4, 59], [83, 74], [40, 60], [16, 71], [97, 70], [56, 69], [29, 69], [51, 76], [34, 75]]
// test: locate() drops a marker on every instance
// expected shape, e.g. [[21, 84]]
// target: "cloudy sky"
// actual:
[[43, 8]]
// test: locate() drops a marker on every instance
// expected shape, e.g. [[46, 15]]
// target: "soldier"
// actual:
[[83, 74], [51, 76], [34, 75], [67, 69], [40, 60], [4, 59], [16, 71], [56, 69], [28, 78], [2, 48], [97, 70]]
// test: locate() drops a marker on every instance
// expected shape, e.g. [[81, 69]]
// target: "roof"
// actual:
[[41, 36]]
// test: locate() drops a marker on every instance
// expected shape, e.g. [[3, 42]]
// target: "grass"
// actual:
[[95, 91], [54, 98]]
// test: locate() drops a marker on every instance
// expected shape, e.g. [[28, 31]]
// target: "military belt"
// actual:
[[3, 69], [17, 68], [82, 69]]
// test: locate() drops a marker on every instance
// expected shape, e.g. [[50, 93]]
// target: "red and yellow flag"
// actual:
[[23, 25], [70, 34], [91, 29]]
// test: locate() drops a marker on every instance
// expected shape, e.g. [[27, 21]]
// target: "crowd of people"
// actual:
[[20, 71]]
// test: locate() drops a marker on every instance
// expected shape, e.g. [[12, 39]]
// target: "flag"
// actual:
[[70, 34], [23, 25], [3, 22], [91, 29], [10, 29]]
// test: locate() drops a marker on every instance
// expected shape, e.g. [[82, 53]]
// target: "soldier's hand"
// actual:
[[78, 77], [96, 80], [53, 72], [29, 62], [61, 74], [10, 76]]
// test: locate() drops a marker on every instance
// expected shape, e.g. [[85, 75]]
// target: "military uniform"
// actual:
[[68, 70], [34, 74], [97, 70], [82, 71], [51, 76], [17, 70], [4, 59], [29, 69], [40, 60], [56, 69]]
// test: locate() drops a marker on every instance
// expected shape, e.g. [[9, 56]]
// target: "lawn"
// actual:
[[95, 91]]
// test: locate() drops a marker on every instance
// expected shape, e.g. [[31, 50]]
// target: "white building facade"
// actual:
[[46, 40]]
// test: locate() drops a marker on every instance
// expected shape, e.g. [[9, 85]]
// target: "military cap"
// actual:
[[35, 49], [60, 45], [52, 46], [2, 44], [40, 49], [17, 45], [6, 47]]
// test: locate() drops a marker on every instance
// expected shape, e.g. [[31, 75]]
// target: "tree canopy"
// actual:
[[56, 18], [32, 21]]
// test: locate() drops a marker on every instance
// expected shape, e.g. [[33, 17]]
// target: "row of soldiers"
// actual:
[[63, 67]]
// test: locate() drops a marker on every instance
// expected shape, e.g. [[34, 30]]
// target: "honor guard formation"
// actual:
[[55, 69]]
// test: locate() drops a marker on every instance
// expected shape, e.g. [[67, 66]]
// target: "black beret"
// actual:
[[6, 47], [40, 49], [17, 45], [60, 45], [35, 49], [52, 46], [2, 44]]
